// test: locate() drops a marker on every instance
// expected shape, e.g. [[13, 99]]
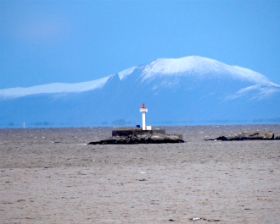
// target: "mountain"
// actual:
[[188, 90]]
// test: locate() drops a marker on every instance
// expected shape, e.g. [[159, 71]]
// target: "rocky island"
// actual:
[[144, 135], [139, 136], [257, 135]]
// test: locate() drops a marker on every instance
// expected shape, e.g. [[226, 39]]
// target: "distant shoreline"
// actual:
[[112, 127]]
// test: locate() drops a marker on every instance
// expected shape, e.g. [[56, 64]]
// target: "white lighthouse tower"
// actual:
[[144, 110]]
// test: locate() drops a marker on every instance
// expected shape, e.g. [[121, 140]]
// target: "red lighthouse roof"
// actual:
[[143, 106]]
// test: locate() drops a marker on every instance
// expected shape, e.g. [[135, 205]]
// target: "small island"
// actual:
[[140, 135], [247, 136]]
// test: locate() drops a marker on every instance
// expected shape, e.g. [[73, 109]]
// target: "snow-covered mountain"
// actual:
[[188, 90]]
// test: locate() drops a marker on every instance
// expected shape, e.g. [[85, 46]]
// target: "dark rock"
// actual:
[[142, 179], [248, 136], [222, 138], [140, 137]]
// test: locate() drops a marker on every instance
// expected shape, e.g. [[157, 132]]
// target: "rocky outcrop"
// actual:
[[141, 138], [248, 136]]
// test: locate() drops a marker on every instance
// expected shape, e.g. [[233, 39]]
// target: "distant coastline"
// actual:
[[46, 125]]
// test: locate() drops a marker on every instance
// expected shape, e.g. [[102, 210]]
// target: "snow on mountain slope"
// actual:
[[190, 66], [53, 88], [196, 65], [177, 91], [123, 74]]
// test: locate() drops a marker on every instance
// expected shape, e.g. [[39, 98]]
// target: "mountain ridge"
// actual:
[[177, 93], [163, 66]]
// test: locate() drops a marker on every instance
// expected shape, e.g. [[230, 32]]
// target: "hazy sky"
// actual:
[[73, 41]]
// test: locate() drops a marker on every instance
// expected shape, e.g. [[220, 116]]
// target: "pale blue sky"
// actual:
[[73, 41]]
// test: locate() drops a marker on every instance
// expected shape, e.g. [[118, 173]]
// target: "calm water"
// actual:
[[44, 171], [84, 135]]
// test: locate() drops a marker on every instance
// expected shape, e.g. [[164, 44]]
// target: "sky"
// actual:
[[74, 41]]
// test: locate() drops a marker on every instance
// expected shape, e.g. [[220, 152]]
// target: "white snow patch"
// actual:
[[259, 91], [174, 67], [54, 88], [196, 65], [123, 74]]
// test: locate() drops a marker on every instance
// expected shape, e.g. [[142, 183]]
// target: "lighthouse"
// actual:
[[144, 110], [145, 135]]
